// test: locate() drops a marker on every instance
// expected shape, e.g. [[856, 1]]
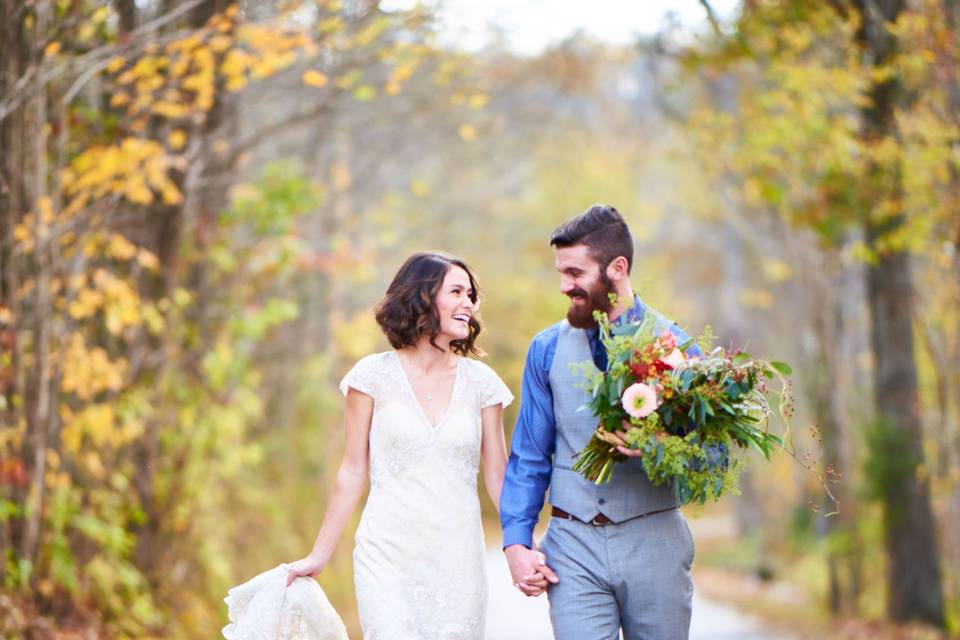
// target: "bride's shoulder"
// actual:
[[374, 361], [477, 370], [366, 373], [488, 387]]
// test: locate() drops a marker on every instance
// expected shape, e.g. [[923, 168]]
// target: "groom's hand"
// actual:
[[623, 447], [529, 570]]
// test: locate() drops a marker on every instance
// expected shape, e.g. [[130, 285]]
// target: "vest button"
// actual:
[[601, 501]]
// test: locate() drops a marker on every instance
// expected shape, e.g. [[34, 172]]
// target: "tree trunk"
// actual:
[[204, 197], [11, 67], [952, 19], [914, 589], [952, 373], [127, 10], [913, 570], [38, 396]]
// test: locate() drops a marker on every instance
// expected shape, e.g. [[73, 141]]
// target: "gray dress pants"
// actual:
[[633, 576]]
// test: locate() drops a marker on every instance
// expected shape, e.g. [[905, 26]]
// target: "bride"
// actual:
[[419, 420]]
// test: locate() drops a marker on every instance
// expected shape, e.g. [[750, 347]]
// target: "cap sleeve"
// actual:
[[491, 389], [362, 377]]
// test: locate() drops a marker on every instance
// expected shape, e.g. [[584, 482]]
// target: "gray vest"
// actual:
[[629, 493]]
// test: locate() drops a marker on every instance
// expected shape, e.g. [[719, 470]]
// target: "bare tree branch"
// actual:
[[92, 59], [712, 17]]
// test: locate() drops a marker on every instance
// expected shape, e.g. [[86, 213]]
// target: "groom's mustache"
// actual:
[[576, 293]]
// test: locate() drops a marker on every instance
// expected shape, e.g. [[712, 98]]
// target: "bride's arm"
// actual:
[[347, 489], [493, 451]]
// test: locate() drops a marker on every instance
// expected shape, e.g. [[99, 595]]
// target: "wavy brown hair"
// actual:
[[408, 309]]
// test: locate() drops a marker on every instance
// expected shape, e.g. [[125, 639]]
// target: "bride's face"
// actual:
[[453, 304]]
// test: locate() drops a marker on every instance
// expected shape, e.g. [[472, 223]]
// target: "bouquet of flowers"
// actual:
[[688, 416]]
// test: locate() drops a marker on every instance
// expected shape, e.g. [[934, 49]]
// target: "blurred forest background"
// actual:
[[201, 201]]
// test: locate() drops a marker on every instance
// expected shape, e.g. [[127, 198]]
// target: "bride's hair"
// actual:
[[408, 309]]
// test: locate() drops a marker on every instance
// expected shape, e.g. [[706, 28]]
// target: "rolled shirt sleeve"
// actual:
[[682, 336]]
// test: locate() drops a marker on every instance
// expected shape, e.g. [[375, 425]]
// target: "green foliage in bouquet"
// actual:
[[692, 417]]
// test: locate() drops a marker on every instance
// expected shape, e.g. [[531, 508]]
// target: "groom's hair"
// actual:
[[602, 230]]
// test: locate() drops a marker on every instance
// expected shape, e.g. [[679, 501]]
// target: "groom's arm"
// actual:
[[532, 446]]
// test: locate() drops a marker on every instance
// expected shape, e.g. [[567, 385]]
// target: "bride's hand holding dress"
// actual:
[[305, 567]]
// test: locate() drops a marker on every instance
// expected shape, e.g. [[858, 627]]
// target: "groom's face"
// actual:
[[584, 282]]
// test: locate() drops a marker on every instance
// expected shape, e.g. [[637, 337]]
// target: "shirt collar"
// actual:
[[634, 313]]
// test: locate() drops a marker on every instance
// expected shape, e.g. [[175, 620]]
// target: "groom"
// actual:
[[618, 555]]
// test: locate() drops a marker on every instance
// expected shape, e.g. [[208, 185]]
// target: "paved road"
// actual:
[[513, 616]]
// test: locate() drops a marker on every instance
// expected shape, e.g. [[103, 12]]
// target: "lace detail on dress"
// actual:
[[430, 592], [488, 388], [464, 468], [364, 375], [405, 450]]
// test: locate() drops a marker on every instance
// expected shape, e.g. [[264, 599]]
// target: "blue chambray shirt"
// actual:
[[534, 437]]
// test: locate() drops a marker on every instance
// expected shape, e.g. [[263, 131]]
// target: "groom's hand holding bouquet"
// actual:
[[686, 418]]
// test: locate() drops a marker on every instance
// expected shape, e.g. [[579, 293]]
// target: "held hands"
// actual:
[[309, 566], [529, 570]]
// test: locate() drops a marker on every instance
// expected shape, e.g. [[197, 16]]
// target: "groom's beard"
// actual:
[[580, 316]]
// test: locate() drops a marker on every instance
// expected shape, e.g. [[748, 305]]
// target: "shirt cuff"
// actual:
[[518, 534]]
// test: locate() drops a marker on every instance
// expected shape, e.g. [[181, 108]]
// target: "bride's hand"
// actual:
[[309, 566], [529, 570]]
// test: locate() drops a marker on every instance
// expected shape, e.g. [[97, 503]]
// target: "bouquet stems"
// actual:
[[596, 461]]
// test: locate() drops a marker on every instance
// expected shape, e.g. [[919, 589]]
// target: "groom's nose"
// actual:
[[570, 289]]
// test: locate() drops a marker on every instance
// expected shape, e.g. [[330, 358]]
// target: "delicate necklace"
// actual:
[[428, 396]]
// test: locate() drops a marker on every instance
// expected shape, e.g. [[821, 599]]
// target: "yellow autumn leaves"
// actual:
[[97, 424], [88, 372], [116, 297], [136, 169], [314, 78], [180, 80]]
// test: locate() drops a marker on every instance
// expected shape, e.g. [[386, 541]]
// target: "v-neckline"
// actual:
[[416, 400]]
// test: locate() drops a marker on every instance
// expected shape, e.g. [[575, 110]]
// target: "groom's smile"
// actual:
[[584, 282]]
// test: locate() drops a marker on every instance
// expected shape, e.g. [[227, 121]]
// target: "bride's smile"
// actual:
[[455, 304]]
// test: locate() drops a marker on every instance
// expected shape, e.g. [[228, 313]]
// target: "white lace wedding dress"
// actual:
[[419, 556]]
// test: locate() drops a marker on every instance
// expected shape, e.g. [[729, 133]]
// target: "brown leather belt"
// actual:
[[600, 519]]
